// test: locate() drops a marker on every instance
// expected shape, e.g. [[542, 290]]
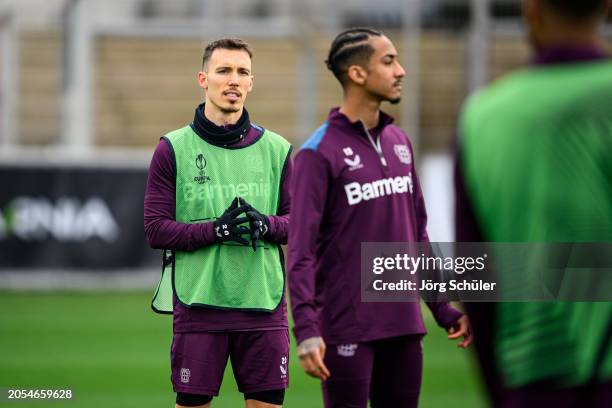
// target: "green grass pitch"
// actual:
[[111, 350]]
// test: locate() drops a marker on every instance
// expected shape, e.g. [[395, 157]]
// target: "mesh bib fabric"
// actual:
[[162, 297]]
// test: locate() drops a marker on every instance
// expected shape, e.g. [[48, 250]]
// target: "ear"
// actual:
[[357, 74], [202, 78], [250, 88]]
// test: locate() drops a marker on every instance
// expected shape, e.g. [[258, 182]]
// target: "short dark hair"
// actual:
[[579, 9], [350, 47], [226, 44]]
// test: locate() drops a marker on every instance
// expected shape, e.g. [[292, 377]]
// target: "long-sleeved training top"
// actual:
[[349, 186]]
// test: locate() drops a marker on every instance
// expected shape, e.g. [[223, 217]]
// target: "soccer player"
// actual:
[[217, 202], [535, 165], [361, 351]]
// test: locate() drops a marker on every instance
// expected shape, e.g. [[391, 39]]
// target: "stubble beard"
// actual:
[[392, 101], [386, 98], [230, 110], [227, 110]]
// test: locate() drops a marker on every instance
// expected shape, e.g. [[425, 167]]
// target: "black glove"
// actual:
[[259, 224], [227, 227]]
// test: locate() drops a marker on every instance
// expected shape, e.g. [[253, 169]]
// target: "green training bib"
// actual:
[[227, 275]]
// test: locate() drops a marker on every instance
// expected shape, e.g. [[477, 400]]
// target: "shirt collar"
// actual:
[[337, 116], [567, 54]]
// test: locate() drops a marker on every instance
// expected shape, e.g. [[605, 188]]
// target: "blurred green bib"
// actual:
[[537, 154], [227, 275]]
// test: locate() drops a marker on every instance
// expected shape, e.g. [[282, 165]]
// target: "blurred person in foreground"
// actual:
[[360, 351], [535, 165], [217, 202]]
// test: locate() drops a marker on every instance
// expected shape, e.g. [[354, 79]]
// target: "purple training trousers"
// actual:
[[385, 372]]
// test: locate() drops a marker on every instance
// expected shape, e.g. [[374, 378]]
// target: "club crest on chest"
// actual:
[[403, 153]]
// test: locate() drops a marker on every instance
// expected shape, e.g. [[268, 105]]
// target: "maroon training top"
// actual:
[[332, 214]]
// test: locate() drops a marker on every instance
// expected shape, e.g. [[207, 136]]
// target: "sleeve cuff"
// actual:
[[208, 234], [305, 333], [271, 225], [448, 316]]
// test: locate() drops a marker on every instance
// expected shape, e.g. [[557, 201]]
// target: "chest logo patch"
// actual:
[[200, 163], [403, 153], [354, 163]]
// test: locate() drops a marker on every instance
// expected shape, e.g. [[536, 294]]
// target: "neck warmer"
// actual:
[[220, 135]]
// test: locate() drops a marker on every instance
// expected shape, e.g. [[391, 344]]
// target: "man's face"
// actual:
[[384, 72], [227, 79]]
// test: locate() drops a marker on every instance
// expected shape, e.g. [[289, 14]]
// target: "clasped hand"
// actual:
[[230, 226]]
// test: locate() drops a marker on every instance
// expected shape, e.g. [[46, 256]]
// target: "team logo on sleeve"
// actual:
[[200, 163], [403, 153], [354, 163], [347, 350]]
